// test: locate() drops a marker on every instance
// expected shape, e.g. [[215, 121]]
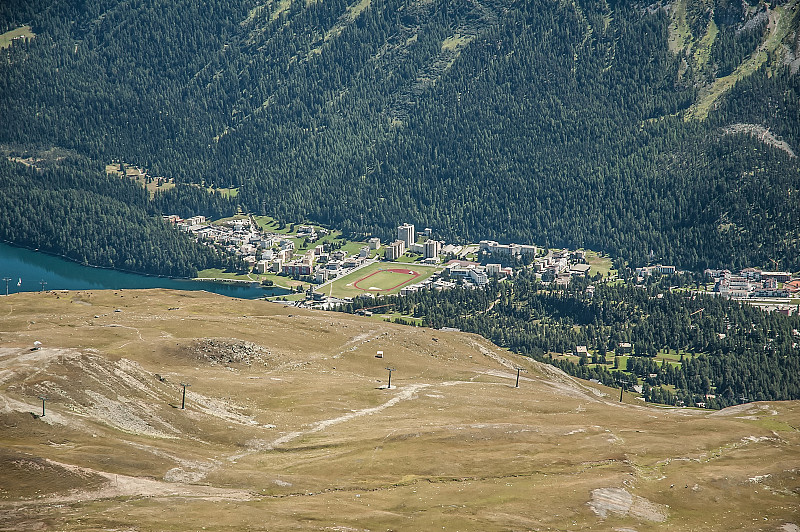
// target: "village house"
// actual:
[[581, 351]]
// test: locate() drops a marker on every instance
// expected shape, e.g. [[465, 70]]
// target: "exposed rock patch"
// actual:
[[226, 352], [618, 501], [761, 133]]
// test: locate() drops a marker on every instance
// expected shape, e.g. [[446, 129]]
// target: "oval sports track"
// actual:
[[384, 280]]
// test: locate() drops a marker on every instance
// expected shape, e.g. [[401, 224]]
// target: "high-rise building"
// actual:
[[432, 249], [395, 250], [406, 233]]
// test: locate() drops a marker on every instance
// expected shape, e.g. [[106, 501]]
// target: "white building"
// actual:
[[432, 249], [485, 245], [406, 233], [375, 243], [306, 230], [395, 250], [493, 269], [478, 277], [409, 289]]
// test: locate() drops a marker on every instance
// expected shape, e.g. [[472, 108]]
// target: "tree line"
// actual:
[[107, 222], [560, 124], [732, 351]]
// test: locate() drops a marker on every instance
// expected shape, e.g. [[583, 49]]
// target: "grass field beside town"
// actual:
[[672, 358], [377, 279], [600, 264], [281, 281], [8, 37], [271, 225]]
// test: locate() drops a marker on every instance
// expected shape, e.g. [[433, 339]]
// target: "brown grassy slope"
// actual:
[[289, 426]]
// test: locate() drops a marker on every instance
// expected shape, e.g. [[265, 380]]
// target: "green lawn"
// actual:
[[231, 218], [409, 258], [672, 359], [268, 223], [384, 280], [218, 273], [290, 297], [271, 225], [391, 316], [277, 280], [599, 264], [8, 37], [352, 248], [226, 192]]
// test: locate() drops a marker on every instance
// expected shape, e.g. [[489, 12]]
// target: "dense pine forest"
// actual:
[[626, 127], [729, 352], [74, 209]]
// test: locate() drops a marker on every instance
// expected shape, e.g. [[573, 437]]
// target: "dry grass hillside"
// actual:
[[289, 425]]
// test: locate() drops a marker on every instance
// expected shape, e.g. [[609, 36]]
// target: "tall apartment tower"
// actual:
[[395, 250], [406, 233], [432, 249]]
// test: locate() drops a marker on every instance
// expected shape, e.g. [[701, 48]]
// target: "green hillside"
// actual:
[[618, 126]]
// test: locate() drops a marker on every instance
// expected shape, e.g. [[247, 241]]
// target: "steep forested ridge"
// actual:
[[107, 221], [559, 123]]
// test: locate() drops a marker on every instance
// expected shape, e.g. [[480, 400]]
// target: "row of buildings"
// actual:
[[265, 252], [646, 271], [558, 266], [754, 283], [407, 241]]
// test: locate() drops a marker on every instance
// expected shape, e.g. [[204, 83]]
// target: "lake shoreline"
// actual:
[[87, 265], [34, 270]]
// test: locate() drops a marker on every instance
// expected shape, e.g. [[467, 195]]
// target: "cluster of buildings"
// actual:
[[407, 241], [268, 252], [754, 283], [337, 263], [264, 252], [562, 265], [261, 252], [512, 250], [557, 266], [461, 272], [647, 271]]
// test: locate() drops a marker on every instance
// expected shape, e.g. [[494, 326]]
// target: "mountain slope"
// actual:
[[561, 123], [288, 425]]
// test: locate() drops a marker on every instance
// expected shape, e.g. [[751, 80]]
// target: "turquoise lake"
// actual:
[[27, 269]]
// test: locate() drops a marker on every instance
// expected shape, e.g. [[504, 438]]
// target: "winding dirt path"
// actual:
[[405, 394]]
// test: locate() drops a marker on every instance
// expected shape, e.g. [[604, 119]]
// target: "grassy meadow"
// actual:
[[289, 425]]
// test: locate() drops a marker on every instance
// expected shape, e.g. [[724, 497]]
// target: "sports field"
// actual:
[[381, 278]]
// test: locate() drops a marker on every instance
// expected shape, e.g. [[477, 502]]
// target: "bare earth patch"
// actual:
[[618, 501]]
